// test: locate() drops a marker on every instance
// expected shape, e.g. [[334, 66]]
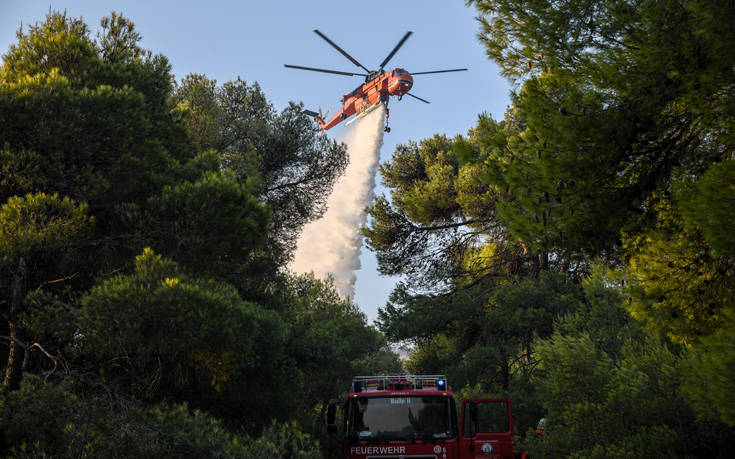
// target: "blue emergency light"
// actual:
[[441, 384], [357, 386]]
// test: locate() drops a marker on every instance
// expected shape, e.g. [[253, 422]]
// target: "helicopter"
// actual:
[[379, 85]]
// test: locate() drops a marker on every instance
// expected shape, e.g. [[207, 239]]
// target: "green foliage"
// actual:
[[532, 304], [677, 284], [709, 375], [210, 239], [419, 172], [331, 339], [708, 203], [39, 222], [608, 387], [117, 41], [618, 144], [615, 101], [158, 333], [617, 147], [384, 361], [98, 160], [47, 318], [75, 129], [561, 189], [475, 297], [42, 419], [605, 319], [40, 238], [564, 359], [82, 126], [440, 223], [493, 337], [283, 441], [596, 405], [290, 166], [60, 42], [34, 417]]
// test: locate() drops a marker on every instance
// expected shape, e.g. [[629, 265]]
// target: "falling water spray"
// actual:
[[331, 245]]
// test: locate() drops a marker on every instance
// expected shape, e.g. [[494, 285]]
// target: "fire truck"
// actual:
[[415, 416]]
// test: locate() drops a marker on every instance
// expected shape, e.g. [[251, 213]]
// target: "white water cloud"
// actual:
[[332, 244]]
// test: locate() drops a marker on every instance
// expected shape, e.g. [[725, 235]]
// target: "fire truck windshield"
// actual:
[[401, 418]]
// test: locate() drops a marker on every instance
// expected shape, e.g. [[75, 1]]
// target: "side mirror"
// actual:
[[331, 418]]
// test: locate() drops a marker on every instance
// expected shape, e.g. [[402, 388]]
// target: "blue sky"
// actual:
[[253, 39]]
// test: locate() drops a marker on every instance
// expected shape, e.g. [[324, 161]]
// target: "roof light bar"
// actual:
[[399, 382]]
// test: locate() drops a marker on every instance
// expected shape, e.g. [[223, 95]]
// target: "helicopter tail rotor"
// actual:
[[324, 115], [317, 117]]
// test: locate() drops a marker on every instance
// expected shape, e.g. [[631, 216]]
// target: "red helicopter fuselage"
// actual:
[[378, 87], [367, 96]]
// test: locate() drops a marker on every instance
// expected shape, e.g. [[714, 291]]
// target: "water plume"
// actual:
[[331, 246]]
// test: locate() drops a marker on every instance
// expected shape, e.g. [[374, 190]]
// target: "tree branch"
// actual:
[[16, 340], [29, 347], [448, 225], [56, 281], [72, 309]]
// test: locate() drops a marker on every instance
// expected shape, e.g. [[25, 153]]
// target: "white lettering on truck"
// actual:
[[378, 450]]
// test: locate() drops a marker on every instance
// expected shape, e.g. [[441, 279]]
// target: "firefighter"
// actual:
[[540, 427]]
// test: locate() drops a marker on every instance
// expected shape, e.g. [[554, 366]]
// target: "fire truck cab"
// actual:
[[415, 416]]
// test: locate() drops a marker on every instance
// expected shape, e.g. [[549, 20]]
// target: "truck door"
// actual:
[[486, 429]]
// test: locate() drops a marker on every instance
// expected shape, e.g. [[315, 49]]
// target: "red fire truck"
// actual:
[[415, 416]]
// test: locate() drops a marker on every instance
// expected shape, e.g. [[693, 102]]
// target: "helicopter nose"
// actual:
[[401, 84]]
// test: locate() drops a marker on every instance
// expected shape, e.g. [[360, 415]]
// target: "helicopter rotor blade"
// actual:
[[344, 53], [438, 71], [417, 97], [337, 72], [395, 50]]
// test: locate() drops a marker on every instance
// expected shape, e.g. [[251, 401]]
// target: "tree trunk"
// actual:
[[543, 261], [14, 369]]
